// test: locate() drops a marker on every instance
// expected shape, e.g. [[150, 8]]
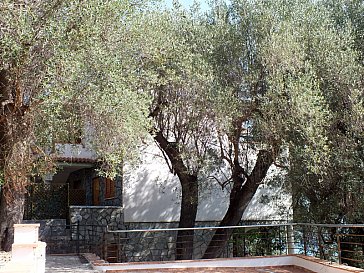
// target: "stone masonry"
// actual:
[[112, 216]]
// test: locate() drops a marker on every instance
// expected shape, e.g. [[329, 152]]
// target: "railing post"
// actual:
[[68, 200], [104, 247], [78, 237], [244, 243], [31, 201], [304, 235], [321, 247], [290, 239], [280, 240], [118, 249], [338, 244], [51, 239]]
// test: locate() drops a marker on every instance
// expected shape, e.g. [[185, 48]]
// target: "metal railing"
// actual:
[[337, 243], [160, 244]]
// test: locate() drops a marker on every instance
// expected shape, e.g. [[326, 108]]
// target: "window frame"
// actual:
[[110, 188]]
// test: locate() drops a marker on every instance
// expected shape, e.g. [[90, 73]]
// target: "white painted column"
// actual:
[[28, 254]]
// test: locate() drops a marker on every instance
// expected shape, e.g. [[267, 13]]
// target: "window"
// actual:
[[96, 191], [109, 188]]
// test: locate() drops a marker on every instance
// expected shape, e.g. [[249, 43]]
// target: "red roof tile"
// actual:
[[75, 159]]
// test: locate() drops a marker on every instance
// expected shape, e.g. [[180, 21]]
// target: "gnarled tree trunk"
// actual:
[[11, 212], [184, 244], [240, 196], [15, 156], [189, 203], [15, 162]]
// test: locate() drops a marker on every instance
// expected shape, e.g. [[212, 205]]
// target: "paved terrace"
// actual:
[[75, 264], [68, 263], [283, 269]]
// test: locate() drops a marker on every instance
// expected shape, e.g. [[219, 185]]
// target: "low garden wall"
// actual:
[[112, 216]]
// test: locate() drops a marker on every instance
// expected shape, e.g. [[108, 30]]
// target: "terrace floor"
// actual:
[[82, 264], [68, 263], [280, 269]]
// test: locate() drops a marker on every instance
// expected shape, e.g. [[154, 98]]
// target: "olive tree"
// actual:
[[173, 71], [56, 75], [294, 83]]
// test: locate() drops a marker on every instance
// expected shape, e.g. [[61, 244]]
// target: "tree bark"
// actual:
[[14, 158], [240, 196], [11, 212], [189, 203], [12, 191]]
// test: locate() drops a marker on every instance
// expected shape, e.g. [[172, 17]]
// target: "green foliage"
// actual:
[[293, 71], [313, 105], [174, 72], [258, 242], [77, 85], [259, 74], [99, 83]]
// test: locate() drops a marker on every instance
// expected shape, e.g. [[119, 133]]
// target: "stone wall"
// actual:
[[148, 246], [89, 225], [113, 216], [87, 235], [49, 228], [142, 245], [56, 234], [159, 245]]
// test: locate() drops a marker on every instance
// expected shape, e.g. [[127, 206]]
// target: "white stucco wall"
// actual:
[[151, 193], [74, 151]]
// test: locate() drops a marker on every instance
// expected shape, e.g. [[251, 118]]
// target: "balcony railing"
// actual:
[[337, 243]]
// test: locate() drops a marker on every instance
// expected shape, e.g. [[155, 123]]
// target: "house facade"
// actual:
[[76, 183], [147, 195], [77, 168], [152, 194]]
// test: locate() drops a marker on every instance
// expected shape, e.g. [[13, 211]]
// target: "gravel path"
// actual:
[[60, 263]]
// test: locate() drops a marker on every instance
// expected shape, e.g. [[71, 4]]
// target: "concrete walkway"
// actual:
[[65, 263]]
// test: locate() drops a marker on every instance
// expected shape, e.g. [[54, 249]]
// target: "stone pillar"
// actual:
[[28, 254]]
